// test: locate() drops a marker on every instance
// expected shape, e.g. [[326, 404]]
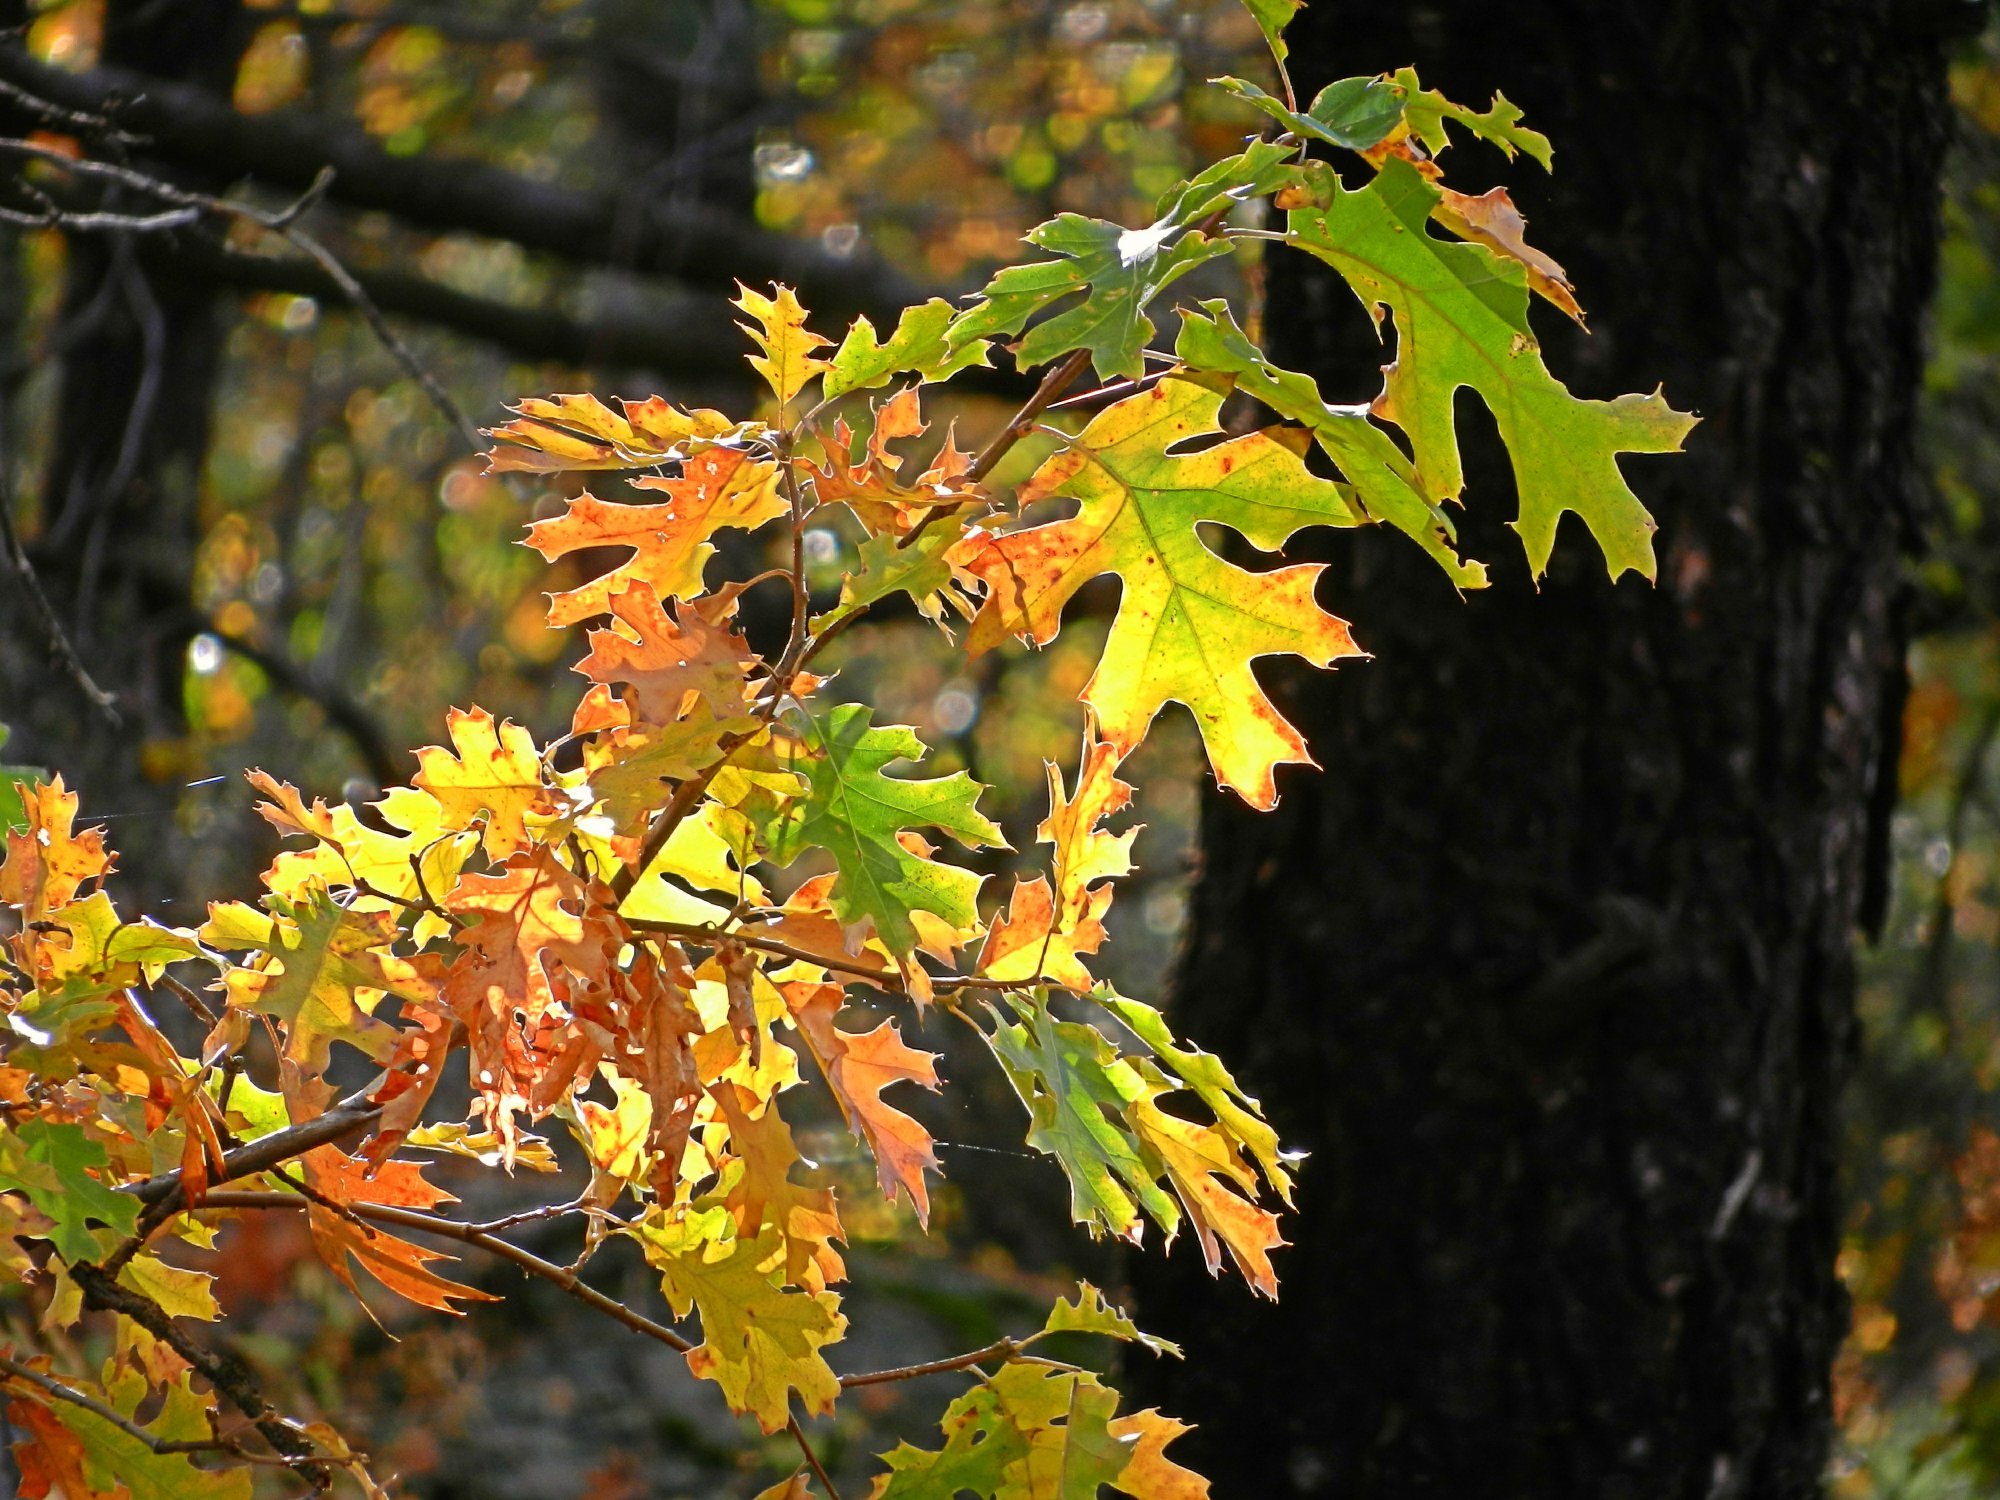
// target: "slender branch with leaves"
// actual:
[[592, 931]]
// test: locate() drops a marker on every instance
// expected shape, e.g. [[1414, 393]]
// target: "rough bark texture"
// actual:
[[1550, 969]]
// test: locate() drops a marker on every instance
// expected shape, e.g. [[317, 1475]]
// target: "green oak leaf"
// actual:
[[1259, 168], [121, 1464], [1122, 270], [1461, 315], [917, 346], [1272, 17], [326, 952], [1426, 110], [1356, 113], [55, 1165], [888, 567], [855, 812], [1076, 1087], [1235, 1111], [1025, 1430], [1380, 476], [1090, 1313]]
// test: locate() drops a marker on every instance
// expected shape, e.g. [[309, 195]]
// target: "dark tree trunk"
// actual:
[[1550, 968], [118, 528]]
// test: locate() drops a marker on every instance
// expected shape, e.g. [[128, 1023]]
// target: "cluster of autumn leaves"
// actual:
[[600, 931]]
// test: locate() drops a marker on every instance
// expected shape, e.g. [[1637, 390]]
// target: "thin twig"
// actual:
[[53, 216], [887, 978], [1053, 385], [45, 616], [283, 223], [799, 1436], [1006, 1348], [139, 1434]]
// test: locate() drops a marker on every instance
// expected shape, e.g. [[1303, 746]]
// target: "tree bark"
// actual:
[[1549, 969]]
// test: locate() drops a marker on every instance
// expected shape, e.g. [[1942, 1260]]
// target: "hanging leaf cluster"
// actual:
[[587, 934]]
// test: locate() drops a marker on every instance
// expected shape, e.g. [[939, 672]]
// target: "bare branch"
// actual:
[[37, 604], [188, 127], [998, 1349]]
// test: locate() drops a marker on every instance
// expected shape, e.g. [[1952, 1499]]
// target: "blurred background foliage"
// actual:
[[350, 573]]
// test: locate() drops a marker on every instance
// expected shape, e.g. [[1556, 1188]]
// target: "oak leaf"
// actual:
[[1215, 1187], [779, 329], [1461, 315], [858, 1066], [341, 1181], [1189, 623], [857, 813], [672, 660], [48, 861], [760, 1341], [918, 346], [325, 966], [670, 540], [495, 774], [560, 433]]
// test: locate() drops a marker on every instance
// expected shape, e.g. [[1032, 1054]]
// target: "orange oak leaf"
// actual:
[[1189, 623], [496, 773], [48, 862], [1195, 1157], [858, 1067], [1029, 942], [671, 660], [343, 1181], [873, 488], [717, 488], [559, 433], [500, 987]]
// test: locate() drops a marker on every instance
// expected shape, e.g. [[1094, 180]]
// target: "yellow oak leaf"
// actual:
[[559, 433], [779, 329], [760, 1341], [1195, 1157], [1085, 853], [758, 1190], [496, 774], [1151, 1475], [1189, 623]]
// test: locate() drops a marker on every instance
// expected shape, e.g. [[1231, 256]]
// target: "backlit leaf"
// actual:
[[779, 329], [1189, 623]]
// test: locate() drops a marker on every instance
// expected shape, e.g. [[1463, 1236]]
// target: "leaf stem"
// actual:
[[812, 1459], [1053, 385]]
